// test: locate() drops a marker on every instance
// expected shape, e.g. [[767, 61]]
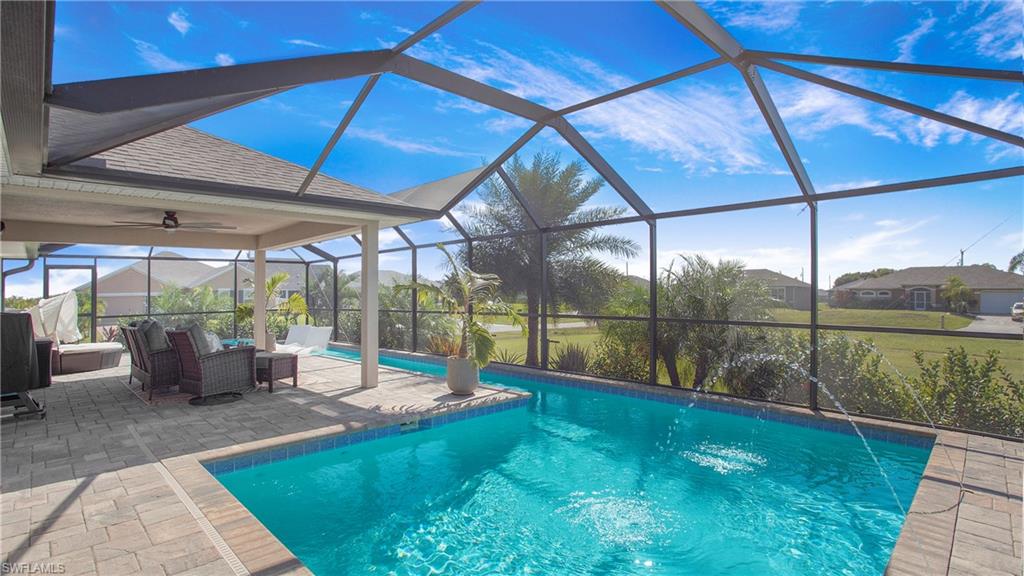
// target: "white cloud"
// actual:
[[404, 30], [851, 185], [404, 145], [306, 43], [223, 59], [811, 109], [773, 17], [1000, 113], [62, 31], [505, 124], [157, 60], [907, 42], [889, 237], [649, 169], [1013, 240], [179, 19], [704, 127], [1001, 34]]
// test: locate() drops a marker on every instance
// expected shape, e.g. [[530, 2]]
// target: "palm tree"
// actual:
[[702, 290], [957, 294], [281, 312], [461, 291], [558, 195], [1017, 263]]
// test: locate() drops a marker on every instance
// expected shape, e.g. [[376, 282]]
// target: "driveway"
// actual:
[[996, 324]]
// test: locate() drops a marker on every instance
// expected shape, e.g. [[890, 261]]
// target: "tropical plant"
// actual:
[[698, 289], [957, 294], [620, 358], [558, 195], [571, 358], [176, 306], [462, 293], [281, 312], [506, 356], [1017, 263]]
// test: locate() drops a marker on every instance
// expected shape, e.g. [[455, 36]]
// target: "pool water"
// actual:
[[582, 482]]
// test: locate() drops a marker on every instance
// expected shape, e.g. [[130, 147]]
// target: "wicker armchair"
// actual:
[[153, 369], [232, 370]]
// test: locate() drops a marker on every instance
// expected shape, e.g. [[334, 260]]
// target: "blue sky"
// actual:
[[690, 143]]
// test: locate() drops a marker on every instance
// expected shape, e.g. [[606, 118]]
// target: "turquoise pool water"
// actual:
[[581, 482]]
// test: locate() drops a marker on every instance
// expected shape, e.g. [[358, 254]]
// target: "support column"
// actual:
[[813, 384], [368, 286], [259, 296]]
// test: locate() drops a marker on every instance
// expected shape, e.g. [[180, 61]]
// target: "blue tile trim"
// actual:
[[315, 445], [872, 432]]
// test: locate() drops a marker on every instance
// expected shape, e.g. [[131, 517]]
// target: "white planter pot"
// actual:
[[463, 376]]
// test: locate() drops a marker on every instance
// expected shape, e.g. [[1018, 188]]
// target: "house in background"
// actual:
[[123, 291], [793, 293], [920, 288]]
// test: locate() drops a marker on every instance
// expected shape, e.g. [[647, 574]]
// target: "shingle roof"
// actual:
[[188, 153], [773, 278], [976, 277]]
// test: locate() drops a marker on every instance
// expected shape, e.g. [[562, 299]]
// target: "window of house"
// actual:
[[884, 294], [779, 294], [867, 293]]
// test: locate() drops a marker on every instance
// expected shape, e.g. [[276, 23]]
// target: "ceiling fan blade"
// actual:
[[133, 225], [207, 226]]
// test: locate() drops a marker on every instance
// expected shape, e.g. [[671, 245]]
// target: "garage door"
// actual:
[[999, 302]]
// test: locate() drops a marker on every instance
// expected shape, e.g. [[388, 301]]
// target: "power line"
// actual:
[[973, 244]]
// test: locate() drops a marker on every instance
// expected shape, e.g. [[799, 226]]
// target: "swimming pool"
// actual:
[[582, 482]]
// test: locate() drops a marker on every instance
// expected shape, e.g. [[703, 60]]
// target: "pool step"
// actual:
[[411, 426]]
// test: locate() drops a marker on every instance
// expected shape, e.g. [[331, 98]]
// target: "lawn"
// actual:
[[855, 317], [897, 348]]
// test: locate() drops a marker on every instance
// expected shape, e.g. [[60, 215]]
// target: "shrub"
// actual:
[[571, 358], [507, 357], [617, 359]]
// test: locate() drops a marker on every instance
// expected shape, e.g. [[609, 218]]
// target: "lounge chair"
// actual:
[[304, 340], [155, 363], [72, 358], [206, 372]]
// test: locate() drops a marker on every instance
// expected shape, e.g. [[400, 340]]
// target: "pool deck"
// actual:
[[109, 485]]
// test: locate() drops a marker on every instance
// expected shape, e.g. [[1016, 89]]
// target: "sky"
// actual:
[[694, 142]]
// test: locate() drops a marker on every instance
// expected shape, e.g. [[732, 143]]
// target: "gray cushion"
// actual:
[[203, 347], [156, 336]]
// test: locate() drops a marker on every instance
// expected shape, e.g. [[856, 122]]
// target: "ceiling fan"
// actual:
[[170, 224]]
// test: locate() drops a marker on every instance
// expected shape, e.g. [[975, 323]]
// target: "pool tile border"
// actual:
[[335, 440], [894, 432]]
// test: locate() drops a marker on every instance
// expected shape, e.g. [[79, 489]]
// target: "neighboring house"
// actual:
[[123, 291], [920, 288], [793, 293]]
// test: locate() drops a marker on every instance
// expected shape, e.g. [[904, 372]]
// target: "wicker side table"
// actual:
[[272, 366]]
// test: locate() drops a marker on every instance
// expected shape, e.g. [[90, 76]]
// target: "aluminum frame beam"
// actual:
[[425, 73], [434, 25], [134, 92], [458, 227], [580, 144], [930, 69], [523, 201], [670, 77], [892, 102], [778, 128], [486, 172], [705, 27], [342, 126]]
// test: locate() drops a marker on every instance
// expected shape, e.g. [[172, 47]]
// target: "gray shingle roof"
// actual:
[[976, 277], [773, 278], [192, 154]]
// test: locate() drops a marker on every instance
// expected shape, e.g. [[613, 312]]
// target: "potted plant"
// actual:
[[464, 293]]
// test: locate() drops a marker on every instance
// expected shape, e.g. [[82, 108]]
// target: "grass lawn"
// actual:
[[854, 317], [897, 348]]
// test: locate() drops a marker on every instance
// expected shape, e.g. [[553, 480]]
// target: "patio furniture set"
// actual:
[[186, 358]]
